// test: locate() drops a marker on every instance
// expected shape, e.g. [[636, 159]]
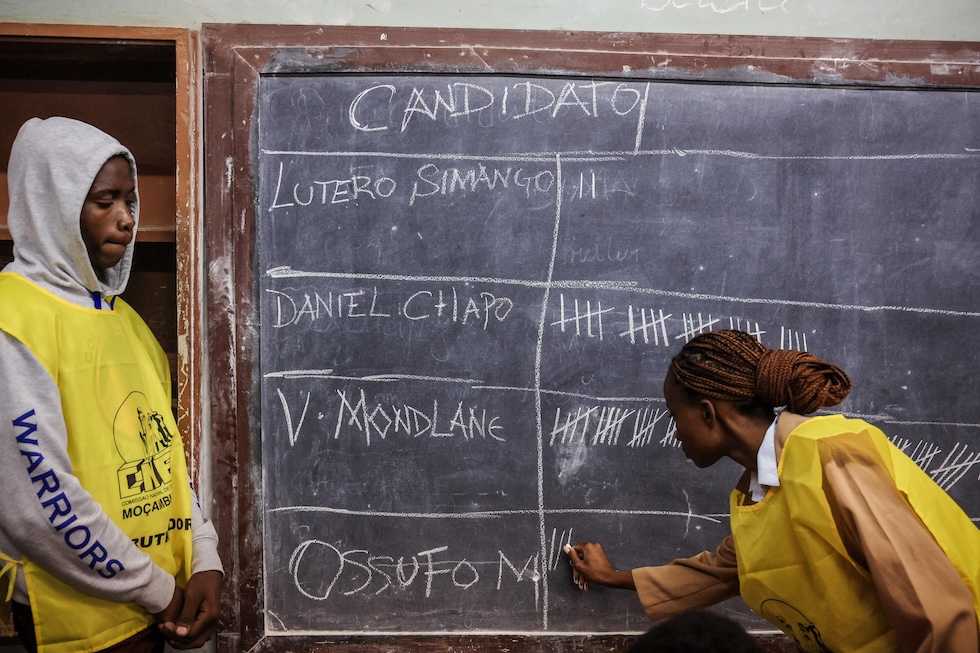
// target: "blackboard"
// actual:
[[468, 286]]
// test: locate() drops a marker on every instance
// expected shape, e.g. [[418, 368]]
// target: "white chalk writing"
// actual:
[[352, 571], [373, 420], [371, 110], [481, 310], [715, 6]]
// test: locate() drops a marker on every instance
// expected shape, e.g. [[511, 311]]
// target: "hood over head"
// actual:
[[53, 163]]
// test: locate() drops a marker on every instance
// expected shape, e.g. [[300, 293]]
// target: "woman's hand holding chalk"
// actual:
[[576, 576], [592, 566]]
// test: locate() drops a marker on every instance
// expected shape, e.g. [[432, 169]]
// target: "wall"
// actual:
[[943, 20]]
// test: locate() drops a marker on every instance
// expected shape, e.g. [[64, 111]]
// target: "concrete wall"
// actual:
[[945, 20]]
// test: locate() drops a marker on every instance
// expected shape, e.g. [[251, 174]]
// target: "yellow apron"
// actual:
[[124, 448], [793, 567], [8, 574]]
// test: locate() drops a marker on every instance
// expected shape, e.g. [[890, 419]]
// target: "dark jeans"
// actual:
[[146, 641]]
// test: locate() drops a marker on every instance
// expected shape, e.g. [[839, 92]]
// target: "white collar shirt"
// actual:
[[765, 475]]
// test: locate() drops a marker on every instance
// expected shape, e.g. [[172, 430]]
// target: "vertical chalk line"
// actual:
[[643, 116], [539, 418]]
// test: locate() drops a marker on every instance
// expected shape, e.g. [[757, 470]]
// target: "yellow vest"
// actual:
[[124, 448], [793, 567]]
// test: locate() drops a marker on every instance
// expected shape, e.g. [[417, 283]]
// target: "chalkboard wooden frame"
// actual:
[[235, 57]]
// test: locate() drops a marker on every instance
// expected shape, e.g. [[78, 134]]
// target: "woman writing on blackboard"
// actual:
[[838, 538]]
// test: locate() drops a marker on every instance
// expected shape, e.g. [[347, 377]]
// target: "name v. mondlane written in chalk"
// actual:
[[378, 421]]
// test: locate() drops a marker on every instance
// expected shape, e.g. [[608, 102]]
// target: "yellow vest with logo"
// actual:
[[793, 567], [124, 448]]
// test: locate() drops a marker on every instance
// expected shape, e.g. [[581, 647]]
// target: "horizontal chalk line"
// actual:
[[478, 385], [585, 156], [491, 514], [286, 272]]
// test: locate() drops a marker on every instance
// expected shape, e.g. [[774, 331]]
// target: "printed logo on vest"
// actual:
[[795, 624], [143, 441]]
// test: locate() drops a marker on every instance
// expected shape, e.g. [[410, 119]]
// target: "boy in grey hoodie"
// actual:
[[102, 540]]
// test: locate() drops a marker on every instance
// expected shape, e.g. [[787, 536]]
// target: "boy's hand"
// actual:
[[197, 619], [168, 616]]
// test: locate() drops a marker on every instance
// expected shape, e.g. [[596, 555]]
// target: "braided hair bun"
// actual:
[[734, 366]]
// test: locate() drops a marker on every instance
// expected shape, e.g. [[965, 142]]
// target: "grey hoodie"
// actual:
[[52, 165]]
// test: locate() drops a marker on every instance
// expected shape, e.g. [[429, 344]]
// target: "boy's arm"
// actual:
[[204, 539], [40, 493]]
